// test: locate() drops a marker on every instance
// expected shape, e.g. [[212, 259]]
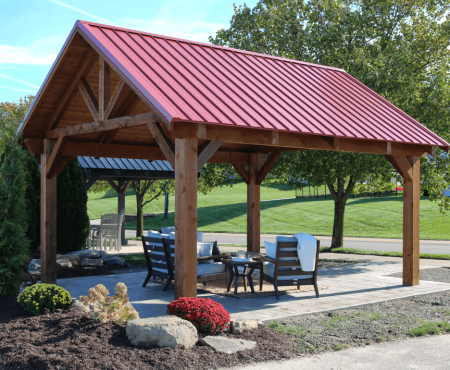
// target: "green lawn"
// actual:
[[224, 210]]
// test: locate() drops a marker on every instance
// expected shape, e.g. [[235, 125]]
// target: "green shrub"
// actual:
[[72, 217], [13, 216], [37, 298]]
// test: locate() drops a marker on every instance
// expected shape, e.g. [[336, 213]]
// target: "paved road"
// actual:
[[430, 353], [390, 245]]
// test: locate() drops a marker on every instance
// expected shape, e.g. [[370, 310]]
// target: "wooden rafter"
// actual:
[[89, 98], [104, 87], [207, 152], [71, 91], [109, 125], [163, 141], [54, 158], [250, 136], [113, 99]]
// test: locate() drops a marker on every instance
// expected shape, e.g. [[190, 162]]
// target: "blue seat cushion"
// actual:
[[210, 268], [269, 269]]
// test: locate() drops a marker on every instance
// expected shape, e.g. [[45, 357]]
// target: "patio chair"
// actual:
[[155, 259], [285, 269], [209, 268], [108, 233]]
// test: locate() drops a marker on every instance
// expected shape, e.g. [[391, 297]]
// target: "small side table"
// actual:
[[232, 267]]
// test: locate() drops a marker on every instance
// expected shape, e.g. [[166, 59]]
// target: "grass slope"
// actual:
[[224, 210]]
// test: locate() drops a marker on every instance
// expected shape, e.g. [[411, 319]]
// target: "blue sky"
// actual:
[[33, 31]]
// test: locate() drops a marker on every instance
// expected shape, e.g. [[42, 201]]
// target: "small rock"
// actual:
[[239, 326], [87, 253], [227, 345], [91, 262], [34, 268], [162, 331], [80, 306], [113, 260]]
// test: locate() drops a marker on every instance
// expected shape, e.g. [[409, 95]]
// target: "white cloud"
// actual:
[[97, 18], [43, 51], [196, 30], [12, 67], [2, 75], [17, 89]]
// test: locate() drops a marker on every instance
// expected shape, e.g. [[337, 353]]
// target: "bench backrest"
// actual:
[[111, 225], [155, 255], [287, 261]]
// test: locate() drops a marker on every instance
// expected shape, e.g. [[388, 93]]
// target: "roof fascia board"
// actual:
[[47, 79], [212, 46], [153, 104]]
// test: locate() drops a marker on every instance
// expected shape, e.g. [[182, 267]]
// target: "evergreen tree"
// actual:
[[32, 198], [13, 216], [72, 216]]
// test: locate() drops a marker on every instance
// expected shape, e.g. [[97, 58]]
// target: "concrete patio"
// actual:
[[349, 286]]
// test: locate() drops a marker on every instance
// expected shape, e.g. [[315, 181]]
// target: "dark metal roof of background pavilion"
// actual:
[[195, 82], [123, 167]]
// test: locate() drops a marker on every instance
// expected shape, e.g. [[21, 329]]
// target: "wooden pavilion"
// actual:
[[120, 93]]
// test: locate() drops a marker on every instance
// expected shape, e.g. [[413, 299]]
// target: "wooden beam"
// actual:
[[241, 170], [108, 137], [283, 139], [109, 125], [431, 150], [71, 91], [113, 185], [235, 158], [48, 219], [103, 88], [402, 165], [411, 224], [253, 206], [163, 142], [267, 167], [113, 99], [55, 156], [89, 98], [207, 152], [63, 163], [185, 218]]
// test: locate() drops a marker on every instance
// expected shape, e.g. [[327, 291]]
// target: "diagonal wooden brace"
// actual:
[[163, 141]]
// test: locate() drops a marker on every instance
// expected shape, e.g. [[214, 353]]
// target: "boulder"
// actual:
[[162, 331], [34, 268], [111, 260], [239, 326], [63, 261], [227, 345], [87, 253], [91, 262]]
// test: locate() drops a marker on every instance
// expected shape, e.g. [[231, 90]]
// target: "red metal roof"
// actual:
[[195, 82]]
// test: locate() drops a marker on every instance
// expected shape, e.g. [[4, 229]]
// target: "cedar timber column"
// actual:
[[48, 219], [185, 218], [253, 205], [411, 223]]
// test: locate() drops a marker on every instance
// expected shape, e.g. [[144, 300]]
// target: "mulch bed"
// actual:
[[64, 339]]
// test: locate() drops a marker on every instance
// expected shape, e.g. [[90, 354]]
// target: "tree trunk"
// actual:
[[337, 239], [340, 196], [140, 217]]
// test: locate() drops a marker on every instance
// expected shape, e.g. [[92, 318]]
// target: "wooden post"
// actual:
[[185, 218], [253, 206], [48, 219], [411, 224]]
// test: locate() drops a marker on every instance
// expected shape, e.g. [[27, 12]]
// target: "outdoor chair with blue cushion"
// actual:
[[292, 261], [209, 262]]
